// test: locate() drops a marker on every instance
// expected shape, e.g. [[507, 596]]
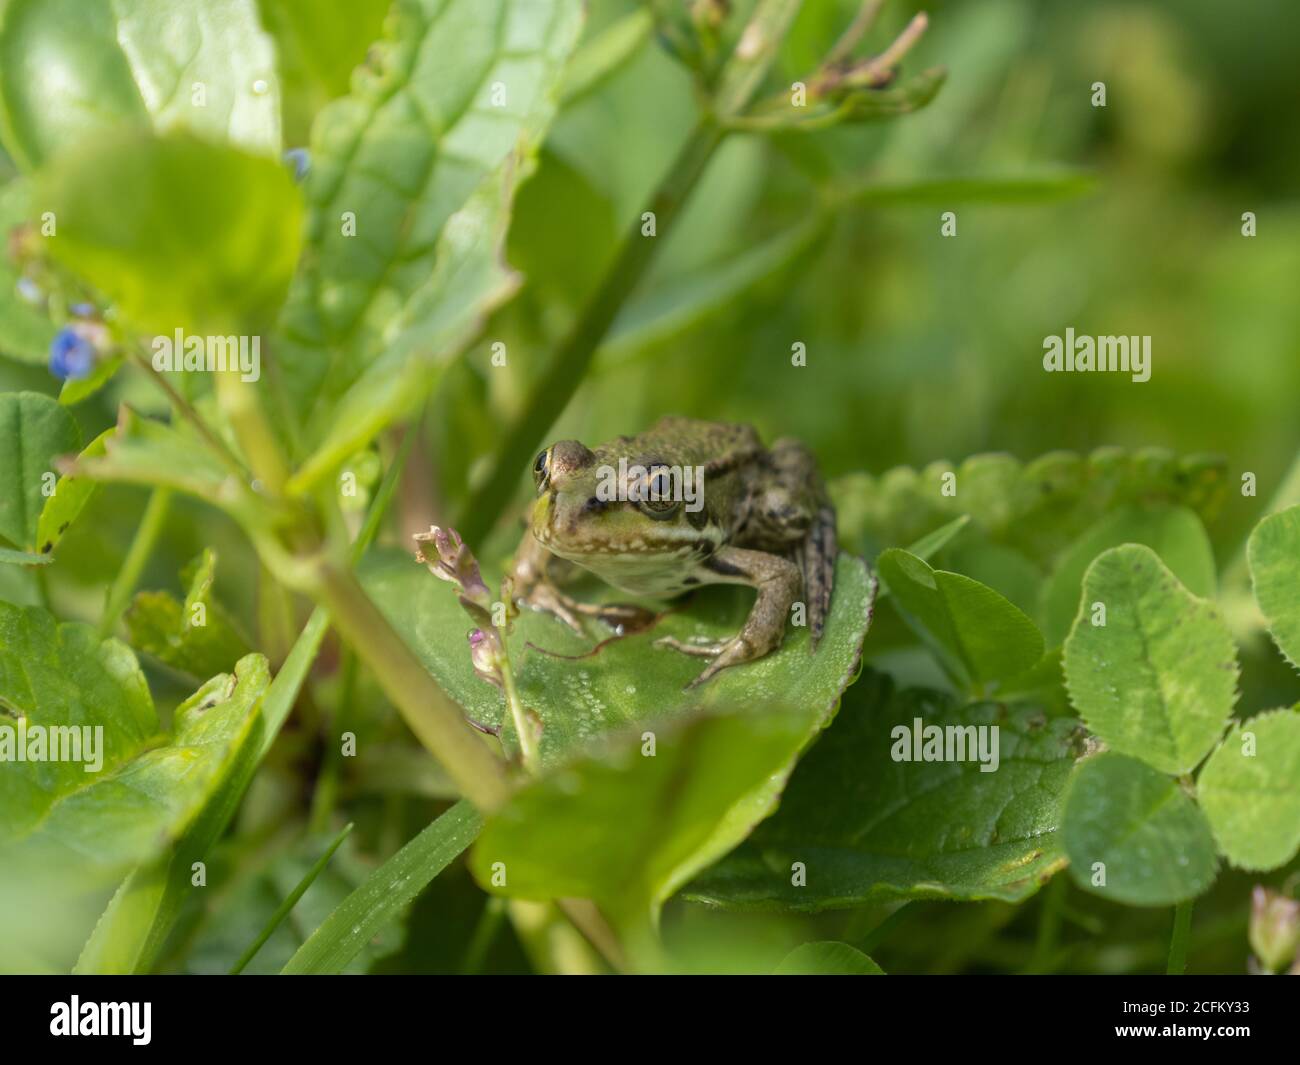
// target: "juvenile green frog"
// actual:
[[683, 504]]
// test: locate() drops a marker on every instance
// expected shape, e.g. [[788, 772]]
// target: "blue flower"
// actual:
[[72, 356]]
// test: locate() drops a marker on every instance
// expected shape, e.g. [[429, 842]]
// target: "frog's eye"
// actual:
[[541, 467], [657, 498]]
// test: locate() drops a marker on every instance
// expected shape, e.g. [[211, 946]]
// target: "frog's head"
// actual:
[[596, 510]]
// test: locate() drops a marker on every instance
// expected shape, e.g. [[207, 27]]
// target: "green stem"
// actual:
[[561, 379], [523, 727], [436, 721], [485, 932], [1181, 938], [327, 781], [289, 903], [146, 536]]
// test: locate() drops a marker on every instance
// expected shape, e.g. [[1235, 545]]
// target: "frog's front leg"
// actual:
[[533, 588], [778, 582]]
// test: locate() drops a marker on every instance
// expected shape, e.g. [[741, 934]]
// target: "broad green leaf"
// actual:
[[582, 688], [1250, 791], [198, 636], [132, 209], [627, 824], [868, 828], [1152, 843], [1274, 554], [1174, 533], [25, 331], [409, 196], [981, 632], [70, 69], [364, 913], [1038, 508], [130, 935], [71, 494], [827, 959], [129, 790], [34, 431], [1158, 680]]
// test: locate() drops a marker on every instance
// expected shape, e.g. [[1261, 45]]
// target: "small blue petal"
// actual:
[[72, 356], [83, 310], [300, 160]]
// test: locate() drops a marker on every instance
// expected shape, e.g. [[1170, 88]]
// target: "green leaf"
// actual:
[[130, 790], [1153, 843], [985, 635], [1274, 555], [1250, 791], [198, 636], [1174, 533], [70, 70], [77, 389], [147, 452], [34, 431], [130, 935], [1039, 508], [628, 824], [581, 688], [71, 494], [386, 892], [426, 165], [25, 331], [1158, 680], [132, 208], [827, 959], [868, 828]]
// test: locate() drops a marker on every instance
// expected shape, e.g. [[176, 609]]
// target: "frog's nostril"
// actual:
[[594, 505]]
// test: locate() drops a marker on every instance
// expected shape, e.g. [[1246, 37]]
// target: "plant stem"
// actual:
[[561, 379], [739, 79], [523, 727], [882, 931], [436, 721], [489, 923], [1181, 938], [183, 407], [142, 545]]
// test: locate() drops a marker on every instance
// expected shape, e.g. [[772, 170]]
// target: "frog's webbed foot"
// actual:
[[778, 581]]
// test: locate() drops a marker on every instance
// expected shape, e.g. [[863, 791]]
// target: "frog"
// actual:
[[683, 504]]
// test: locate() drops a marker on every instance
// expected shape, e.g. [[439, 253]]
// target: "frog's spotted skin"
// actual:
[[766, 521]]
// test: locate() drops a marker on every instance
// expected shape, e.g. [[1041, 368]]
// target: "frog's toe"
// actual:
[[549, 601], [708, 649]]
